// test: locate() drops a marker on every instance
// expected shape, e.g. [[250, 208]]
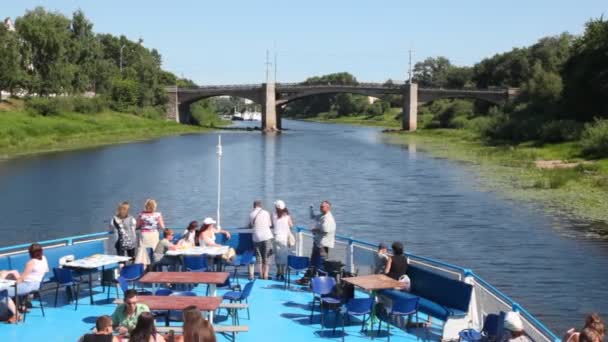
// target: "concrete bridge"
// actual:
[[271, 95]]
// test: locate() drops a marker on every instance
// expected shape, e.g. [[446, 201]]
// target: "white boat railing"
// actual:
[[358, 256]]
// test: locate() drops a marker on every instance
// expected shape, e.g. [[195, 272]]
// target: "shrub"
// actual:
[[86, 105], [155, 113], [459, 121], [123, 94], [560, 130], [426, 120], [328, 115], [478, 124], [499, 127], [48, 106], [594, 141]]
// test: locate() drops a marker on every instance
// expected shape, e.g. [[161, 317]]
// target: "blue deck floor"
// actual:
[[276, 315]]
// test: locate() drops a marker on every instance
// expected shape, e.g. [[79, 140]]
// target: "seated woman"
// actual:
[[196, 328], [206, 237], [161, 249], [33, 273], [145, 330], [396, 266], [189, 235]]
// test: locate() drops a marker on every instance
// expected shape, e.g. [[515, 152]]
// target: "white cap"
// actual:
[[513, 322], [209, 220], [279, 204]]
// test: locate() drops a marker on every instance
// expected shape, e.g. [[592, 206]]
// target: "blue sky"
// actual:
[[225, 42]]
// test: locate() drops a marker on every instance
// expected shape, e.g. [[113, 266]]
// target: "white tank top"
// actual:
[[281, 228], [38, 270]]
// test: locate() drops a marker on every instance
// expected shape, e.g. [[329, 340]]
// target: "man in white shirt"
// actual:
[[260, 222], [324, 238]]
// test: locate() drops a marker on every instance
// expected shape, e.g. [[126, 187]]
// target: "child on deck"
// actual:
[[381, 259]]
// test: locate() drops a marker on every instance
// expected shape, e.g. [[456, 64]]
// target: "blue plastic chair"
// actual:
[[195, 263], [64, 277], [124, 286], [161, 292], [401, 307], [358, 307], [239, 297], [321, 288], [132, 273], [297, 264], [177, 316], [242, 260]]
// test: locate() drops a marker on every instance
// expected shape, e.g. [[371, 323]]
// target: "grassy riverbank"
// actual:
[[23, 133], [580, 192]]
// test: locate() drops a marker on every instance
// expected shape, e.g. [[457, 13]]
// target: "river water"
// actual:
[[379, 191]]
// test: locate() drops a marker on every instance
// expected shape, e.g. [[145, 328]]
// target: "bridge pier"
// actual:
[[410, 107], [171, 107], [270, 122]]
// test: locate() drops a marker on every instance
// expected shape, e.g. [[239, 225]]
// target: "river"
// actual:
[[379, 192]]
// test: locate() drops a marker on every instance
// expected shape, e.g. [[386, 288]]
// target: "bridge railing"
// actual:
[[367, 85]]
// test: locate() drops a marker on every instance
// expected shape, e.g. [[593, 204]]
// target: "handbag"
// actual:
[[291, 240]]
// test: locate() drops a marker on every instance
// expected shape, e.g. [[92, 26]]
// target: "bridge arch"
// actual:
[[186, 106]]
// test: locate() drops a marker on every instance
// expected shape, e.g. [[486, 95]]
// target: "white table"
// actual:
[[97, 261], [6, 284], [211, 251], [94, 262]]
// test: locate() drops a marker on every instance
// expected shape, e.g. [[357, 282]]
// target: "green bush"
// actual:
[[594, 140], [459, 121], [560, 130], [151, 112], [328, 115], [479, 124], [123, 94], [426, 120], [48, 106], [88, 105]]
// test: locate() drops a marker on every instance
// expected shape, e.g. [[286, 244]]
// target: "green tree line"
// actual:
[[51, 54], [335, 105], [562, 81]]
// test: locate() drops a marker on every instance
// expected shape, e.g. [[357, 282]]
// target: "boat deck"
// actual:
[[276, 315]]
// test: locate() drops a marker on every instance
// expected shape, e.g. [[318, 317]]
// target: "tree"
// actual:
[[11, 71], [432, 72], [45, 37], [586, 73], [543, 87], [84, 52], [458, 77]]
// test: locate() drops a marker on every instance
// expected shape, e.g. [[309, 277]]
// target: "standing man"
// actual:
[[260, 222], [324, 238]]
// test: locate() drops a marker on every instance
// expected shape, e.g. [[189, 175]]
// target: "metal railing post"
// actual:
[[300, 245], [350, 256]]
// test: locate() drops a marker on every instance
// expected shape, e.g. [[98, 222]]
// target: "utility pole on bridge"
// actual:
[[410, 67]]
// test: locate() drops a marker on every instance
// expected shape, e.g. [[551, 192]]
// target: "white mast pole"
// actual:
[[219, 177]]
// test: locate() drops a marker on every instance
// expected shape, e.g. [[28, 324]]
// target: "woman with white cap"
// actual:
[[206, 237], [515, 328], [282, 224]]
